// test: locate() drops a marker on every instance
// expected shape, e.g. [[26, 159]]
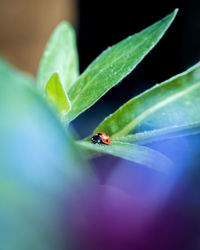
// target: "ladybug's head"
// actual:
[[96, 138]]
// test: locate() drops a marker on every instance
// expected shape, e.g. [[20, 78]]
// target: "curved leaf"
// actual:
[[113, 65], [162, 134], [132, 152], [174, 102], [56, 94], [60, 56]]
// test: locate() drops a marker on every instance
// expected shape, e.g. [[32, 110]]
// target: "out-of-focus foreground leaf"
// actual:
[[132, 152], [113, 65], [175, 102], [39, 167], [9, 75], [56, 95], [60, 56]]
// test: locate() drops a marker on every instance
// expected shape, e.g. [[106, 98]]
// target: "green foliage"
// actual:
[[56, 94], [172, 103], [60, 56], [113, 65], [167, 110]]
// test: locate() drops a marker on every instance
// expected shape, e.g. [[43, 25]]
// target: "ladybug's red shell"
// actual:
[[105, 138], [101, 138]]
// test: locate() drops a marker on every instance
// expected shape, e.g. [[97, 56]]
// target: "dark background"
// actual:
[[104, 23]]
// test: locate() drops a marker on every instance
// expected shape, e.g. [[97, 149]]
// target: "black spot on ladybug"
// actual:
[[96, 139]]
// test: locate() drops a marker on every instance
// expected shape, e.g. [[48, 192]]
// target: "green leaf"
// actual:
[[150, 136], [9, 75], [132, 152], [56, 95], [60, 56], [113, 65], [174, 102]]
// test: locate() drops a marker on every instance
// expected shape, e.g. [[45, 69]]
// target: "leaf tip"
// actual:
[[173, 14], [176, 11], [66, 25]]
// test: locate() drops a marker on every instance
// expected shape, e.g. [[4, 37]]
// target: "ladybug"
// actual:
[[100, 138]]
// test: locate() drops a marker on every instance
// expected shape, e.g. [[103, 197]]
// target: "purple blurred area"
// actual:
[[131, 207]]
